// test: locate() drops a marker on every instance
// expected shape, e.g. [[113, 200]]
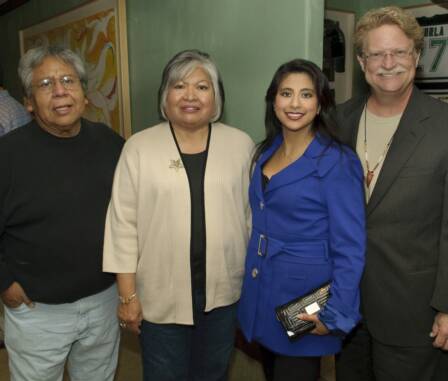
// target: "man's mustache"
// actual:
[[397, 70]]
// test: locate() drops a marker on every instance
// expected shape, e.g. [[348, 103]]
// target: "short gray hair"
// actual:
[[183, 64], [35, 56]]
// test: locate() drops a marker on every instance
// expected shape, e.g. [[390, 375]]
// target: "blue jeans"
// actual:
[[39, 340], [174, 352]]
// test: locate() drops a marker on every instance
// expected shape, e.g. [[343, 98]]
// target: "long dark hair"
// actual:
[[323, 122]]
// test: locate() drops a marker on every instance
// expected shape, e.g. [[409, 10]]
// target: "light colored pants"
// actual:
[[39, 340]]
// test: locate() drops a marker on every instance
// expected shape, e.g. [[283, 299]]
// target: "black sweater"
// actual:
[[54, 194]]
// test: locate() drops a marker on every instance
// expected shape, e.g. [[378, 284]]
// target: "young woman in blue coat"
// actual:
[[307, 200]]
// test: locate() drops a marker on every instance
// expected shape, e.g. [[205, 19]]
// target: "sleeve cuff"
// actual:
[[336, 322]]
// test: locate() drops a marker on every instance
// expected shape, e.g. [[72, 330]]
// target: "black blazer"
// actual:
[[406, 275]]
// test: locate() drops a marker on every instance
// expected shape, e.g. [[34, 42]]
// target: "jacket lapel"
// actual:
[[256, 177], [297, 170], [409, 133], [352, 117]]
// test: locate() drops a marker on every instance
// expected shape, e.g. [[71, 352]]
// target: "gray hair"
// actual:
[[34, 57], [183, 64]]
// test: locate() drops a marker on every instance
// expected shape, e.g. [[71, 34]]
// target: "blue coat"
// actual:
[[308, 228]]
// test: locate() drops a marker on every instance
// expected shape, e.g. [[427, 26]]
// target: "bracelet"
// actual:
[[127, 299]]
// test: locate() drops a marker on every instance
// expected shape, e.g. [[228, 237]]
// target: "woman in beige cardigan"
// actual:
[[177, 227]]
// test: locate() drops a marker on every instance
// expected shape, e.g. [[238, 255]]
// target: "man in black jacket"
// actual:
[[56, 176], [401, 136]]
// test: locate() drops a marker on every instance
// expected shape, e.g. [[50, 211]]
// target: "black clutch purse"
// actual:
[[310, 303]]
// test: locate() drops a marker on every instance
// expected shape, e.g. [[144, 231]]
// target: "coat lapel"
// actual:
[[256, 177], [301, 168], [409, 133], [352, 117]]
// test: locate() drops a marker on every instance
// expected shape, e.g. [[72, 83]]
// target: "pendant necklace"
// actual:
[[371, 172]]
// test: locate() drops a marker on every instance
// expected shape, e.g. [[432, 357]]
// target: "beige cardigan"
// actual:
[[148, 221]]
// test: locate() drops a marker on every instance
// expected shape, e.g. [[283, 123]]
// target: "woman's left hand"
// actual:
[[320, 329], [130, 316]]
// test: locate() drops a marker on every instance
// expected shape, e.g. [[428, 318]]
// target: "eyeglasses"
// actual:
[[68, 82], [398, 54]]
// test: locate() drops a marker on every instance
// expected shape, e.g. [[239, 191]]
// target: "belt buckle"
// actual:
[[262, 245]]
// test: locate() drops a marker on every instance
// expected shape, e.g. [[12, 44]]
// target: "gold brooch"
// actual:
[[176, 164]]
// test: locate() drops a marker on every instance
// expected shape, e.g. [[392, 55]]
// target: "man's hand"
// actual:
[[320, 329], [440, 331], [14, 296]]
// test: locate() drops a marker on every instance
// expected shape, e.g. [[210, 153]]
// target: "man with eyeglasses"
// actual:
[[56, 176], [401, 136]]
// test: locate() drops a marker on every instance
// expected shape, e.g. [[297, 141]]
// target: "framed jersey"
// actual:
[[432, 71]]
